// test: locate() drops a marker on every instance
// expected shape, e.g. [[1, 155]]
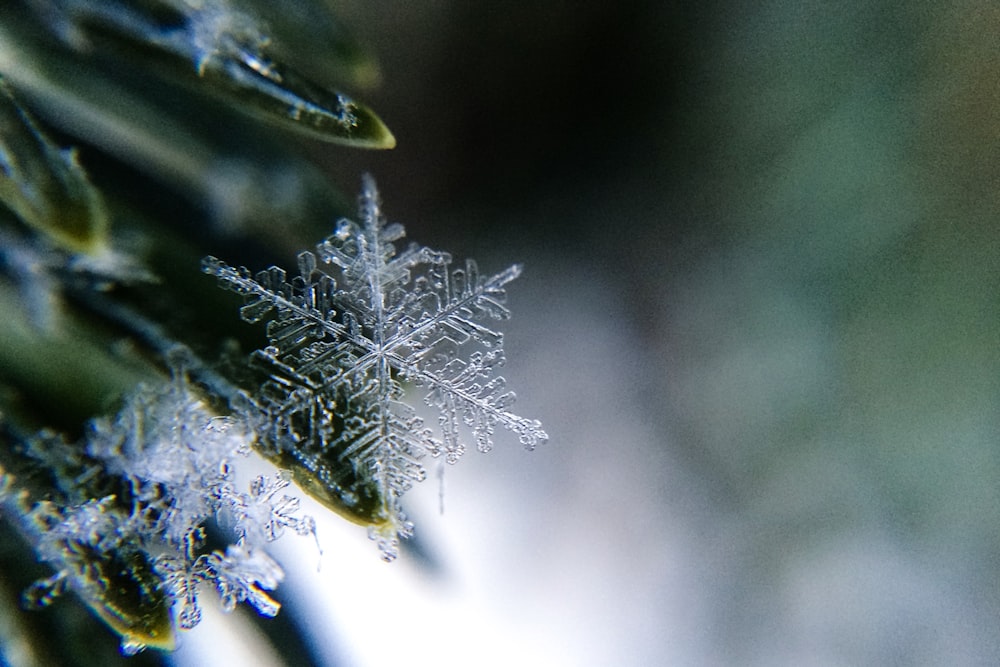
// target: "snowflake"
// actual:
[[260, 516], [165, 465], [174, 450], [239, 575], [345, 341]]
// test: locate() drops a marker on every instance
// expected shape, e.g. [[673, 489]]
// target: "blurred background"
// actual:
[[760, 320]]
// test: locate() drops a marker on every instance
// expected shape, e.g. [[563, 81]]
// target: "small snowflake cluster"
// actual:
[[137, 502]]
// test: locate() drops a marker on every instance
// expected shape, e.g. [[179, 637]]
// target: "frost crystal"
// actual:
[[239, 575], [161, 471], [346, 340], [261, 517]]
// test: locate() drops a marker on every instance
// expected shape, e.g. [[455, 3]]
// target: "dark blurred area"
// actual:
[[507, 103], [761, 307]]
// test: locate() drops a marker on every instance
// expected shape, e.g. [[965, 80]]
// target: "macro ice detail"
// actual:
[[347, 342], [125, 529]]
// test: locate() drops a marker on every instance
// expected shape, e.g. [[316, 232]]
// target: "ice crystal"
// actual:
[[346, 341], [94, 554], [259, 516], [239, 575], [242, 575], [177, 452], [131, 507]]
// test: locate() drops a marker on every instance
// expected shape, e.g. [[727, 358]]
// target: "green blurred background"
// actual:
[[760, 316]]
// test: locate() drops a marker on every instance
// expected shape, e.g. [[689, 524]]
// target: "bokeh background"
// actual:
[[760, 320]]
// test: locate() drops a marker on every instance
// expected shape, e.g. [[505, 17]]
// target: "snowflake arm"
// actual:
[[242, 575]]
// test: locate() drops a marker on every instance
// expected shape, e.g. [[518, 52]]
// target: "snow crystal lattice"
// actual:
[[170, 464], [343, 341]]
